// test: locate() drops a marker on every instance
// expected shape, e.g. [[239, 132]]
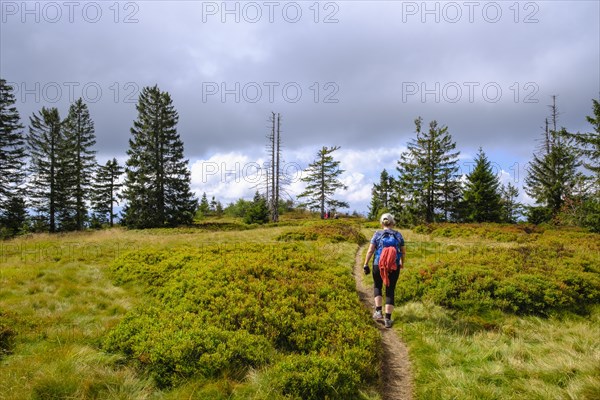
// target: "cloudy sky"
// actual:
[[353, 74]]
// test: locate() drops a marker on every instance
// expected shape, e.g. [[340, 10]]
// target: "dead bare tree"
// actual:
[[273, 180]]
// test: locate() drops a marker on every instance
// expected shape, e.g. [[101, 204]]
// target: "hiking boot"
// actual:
[[388, 323], [377, 314]]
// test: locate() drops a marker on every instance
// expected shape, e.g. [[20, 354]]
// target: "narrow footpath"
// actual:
[[396, 371]]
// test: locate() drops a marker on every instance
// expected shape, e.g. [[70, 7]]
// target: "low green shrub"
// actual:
[[329, 231], [497, 232], [7, 335], [423, 229], [314, 377], [217, 311], [558, 270], [176, 346]]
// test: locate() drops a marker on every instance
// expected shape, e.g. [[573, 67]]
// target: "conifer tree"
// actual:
[[105, 191], [45, 142], [428, 183], [219, 209], [78, 161], [552, 174], [213, 205], [511, 209], [204, 207], [322, 178], [375, 207], [12, 161], [588, 144], [258, 212], [451, 195], [381, 195], [481, 196], [157, 183]]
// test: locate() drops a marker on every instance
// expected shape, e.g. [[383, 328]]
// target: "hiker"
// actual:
[[388, 246]]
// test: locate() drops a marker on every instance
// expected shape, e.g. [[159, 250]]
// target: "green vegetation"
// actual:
[[245, 317], [104, 194], [226, 310], [381, 196], [333, 231], [482, 201], [556, 271], [12, 162], [322, 179], [562, 178], [157, 183], [223, 310], [501, 312], [428, 186], [460, 357]]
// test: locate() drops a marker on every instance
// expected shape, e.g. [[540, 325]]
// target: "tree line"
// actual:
[[50, 180], [563, 178]]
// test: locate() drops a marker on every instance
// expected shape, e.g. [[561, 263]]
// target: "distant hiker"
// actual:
[[389, 250]]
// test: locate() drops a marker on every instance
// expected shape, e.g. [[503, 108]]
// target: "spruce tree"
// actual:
[[552, 175], [552, 178], [12, 161], [322, 178], [105, 191], [451, 195], [482, 196], [219, 209], [511, 209], [381, 195], [204, 207], [66, 185], [45, 142], [78, 161], [258, 213], [582, 206], [157, 184], [375, 207], [428, 182], [15, 219], [588, 144]]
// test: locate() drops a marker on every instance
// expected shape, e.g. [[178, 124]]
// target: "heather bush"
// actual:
[[330, 231], [554, 270], [286, 308]]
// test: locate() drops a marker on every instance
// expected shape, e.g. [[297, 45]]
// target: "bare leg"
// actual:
[[389, 308], [379, 301]]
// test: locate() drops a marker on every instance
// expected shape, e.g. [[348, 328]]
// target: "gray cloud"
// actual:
[[362, 79]]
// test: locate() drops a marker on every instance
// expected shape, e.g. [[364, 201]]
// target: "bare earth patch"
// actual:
[[396, 372]]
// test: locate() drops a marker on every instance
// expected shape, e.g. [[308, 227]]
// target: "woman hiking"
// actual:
[[388, 246]]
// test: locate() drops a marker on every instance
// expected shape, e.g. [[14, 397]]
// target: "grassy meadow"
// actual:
[[228, 311], [501, 312], [217, 311]]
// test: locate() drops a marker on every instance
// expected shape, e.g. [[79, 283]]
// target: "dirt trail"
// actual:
[[396, 373]]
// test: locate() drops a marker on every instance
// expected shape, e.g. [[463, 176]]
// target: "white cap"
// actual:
[[387, 219]]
